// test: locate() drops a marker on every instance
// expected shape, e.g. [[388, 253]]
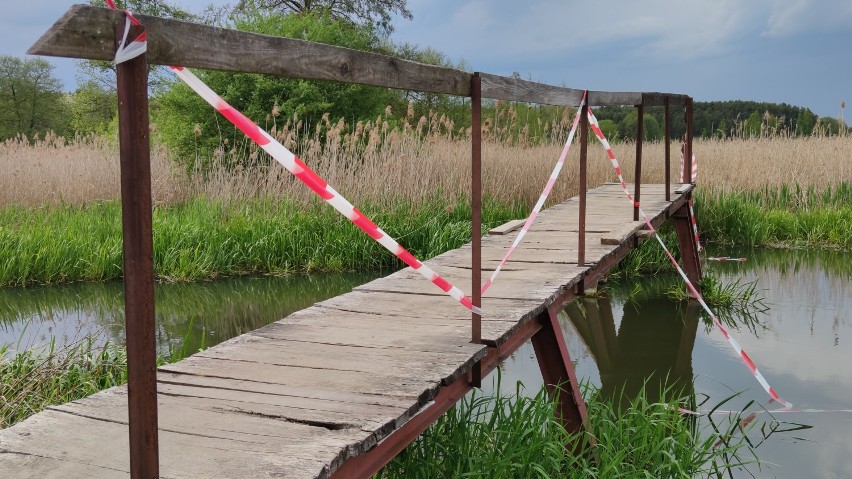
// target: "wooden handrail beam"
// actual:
[[85, 32]]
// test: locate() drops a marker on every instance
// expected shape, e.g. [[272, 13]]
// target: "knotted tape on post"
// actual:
[[307, 176], [129, 51], [542, 198]]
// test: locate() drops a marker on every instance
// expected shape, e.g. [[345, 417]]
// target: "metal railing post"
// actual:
[[637, 175], [476, 216], [687, 154], [668, 150], [134, 148], [584, 146]]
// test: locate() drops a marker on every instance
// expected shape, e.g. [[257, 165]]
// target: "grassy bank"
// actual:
[[785, 216], [31, 381], [521, 437], [207, 239]]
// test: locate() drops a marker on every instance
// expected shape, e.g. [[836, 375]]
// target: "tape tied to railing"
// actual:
[[311, 179], [593, 122]]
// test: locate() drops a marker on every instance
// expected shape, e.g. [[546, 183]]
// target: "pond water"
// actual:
[[802, 343], [189, 316]]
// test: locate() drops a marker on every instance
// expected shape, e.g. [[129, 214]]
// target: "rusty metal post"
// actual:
[[138, 262], [687, 154], [584, 146], [558, 374], [637, 175], [476, 215], [668, 150], [687, 245]]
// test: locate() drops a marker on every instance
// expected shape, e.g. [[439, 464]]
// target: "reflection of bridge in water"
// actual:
[[652, 347]]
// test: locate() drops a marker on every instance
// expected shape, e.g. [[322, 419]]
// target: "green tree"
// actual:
[[370, 13], [93, 109], [31, 99], [651, 127], [752, 125], [828, 125], [179, 109], [609, 129], [805, 122]]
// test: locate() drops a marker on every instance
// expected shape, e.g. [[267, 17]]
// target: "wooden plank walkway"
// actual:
[[302, 395]]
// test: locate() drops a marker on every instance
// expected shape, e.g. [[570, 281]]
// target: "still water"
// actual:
[[189, 316], [802, 342]]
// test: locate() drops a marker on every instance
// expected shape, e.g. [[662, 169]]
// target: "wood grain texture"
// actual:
[[86, 32], [299, 397]]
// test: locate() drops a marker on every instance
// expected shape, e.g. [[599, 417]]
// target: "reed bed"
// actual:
[[519, 436], [30, 381], [386, 166], [241, 213]]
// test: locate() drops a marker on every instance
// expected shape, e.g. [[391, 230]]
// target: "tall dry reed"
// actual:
[[372, 162], [52, 170]]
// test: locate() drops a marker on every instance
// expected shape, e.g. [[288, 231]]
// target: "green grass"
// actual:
[[30, 381], [782, 217], [521, 437], [205, 239]]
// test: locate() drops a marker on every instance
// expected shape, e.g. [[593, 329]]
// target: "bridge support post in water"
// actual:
[[558, 373], [688, 246], [135, 153]]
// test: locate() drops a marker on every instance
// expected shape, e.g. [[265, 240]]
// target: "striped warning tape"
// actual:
[[593, 122], [128, 51], [765, 411], [301, 171], [694, 175], [542, 198], [694, 226]]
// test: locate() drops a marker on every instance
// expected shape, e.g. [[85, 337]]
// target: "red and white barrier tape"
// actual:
[[128, 51], [695, 226], [727, 258], [593, 122], [542, 198], [301, 171], [694, 168]]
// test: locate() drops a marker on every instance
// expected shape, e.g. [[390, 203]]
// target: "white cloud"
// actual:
[[789, 17], [538, 28]]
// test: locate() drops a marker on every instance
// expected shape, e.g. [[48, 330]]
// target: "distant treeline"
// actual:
[[721, 119]]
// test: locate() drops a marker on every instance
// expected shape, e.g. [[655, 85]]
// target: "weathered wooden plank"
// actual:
[[659, 99], [512, 89], [506, 227], [87, 32], [622, 234], [182, 455]]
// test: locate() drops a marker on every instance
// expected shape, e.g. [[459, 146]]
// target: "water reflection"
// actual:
[[189, 316], [652, 348], [801, 345]]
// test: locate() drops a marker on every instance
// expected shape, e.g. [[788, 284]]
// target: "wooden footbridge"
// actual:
[[338, 389]]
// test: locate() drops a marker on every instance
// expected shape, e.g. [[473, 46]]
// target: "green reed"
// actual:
[[30, 381], [789, 216], [520, 437], [206, 239]]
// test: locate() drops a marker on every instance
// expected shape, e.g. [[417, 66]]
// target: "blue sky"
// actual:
[[791, 51]]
